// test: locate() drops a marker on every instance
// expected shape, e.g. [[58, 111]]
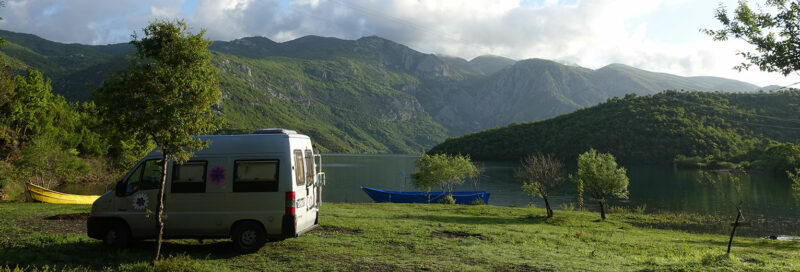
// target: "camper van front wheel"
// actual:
[[117, 235], [248, 237]]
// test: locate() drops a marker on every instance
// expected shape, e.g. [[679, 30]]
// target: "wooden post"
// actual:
[[735, 224]]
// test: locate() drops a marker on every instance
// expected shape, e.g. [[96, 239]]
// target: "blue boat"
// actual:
[[462, 197]]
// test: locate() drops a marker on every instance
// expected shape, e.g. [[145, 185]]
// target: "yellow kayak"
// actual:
[[42, 194]]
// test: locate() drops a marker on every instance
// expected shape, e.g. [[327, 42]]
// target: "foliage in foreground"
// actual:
[[48, 141], [166, 96], [773, 30], [412, 237]]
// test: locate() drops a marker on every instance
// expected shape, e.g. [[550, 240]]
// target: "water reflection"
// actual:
[[768, 202]]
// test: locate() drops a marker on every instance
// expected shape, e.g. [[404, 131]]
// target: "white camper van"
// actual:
[[264, 185]]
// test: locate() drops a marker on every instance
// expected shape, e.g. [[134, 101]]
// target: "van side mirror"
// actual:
[[119, 189]]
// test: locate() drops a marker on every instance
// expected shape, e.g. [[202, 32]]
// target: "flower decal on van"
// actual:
[[217, 175], [140, 201]]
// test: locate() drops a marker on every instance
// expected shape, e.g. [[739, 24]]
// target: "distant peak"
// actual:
[[254, 39], [491, 57], [618, 66], [372, 37], [376, 39], [538, 61]]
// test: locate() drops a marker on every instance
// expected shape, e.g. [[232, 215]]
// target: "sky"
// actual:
[[655, 35]]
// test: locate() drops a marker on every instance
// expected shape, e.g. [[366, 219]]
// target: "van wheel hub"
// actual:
[[249, 237], [111, 236]]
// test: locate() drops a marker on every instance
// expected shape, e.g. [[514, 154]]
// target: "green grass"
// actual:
[[392, 237]]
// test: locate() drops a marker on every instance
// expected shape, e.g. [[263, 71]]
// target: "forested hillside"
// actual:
[[693, 127], [369, 95]]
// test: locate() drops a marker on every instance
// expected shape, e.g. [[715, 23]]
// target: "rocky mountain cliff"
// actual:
[[370, 94]]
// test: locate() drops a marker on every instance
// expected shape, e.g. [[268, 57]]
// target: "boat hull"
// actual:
[[462, 197], [42, 194]]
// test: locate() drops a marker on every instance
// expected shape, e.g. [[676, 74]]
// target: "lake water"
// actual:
[[767, 199], [768, 202]]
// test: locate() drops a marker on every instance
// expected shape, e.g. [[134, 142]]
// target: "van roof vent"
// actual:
[[274, 131]]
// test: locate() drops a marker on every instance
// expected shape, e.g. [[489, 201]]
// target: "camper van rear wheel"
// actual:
[[248, 237], [117, 235]]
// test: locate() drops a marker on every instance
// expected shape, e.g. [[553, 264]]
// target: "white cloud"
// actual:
[[588, 33]]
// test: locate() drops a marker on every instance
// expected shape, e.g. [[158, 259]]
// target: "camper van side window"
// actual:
[[255, 176], [189, 177], [147, 176], [299, 171], [309, 166]]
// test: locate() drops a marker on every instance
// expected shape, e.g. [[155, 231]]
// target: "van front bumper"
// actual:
[[95, 227]]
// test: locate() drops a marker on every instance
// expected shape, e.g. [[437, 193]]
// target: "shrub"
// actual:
[[448, 199]]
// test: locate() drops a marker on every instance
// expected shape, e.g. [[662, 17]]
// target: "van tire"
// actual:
[[248, 237], [117, 235]]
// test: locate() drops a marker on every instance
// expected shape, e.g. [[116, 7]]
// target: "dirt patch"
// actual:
[[372, 267], [752, 260], [71, 216], [334, 229], [457, 234], [408, 246], [63, 223], [521, 267], [60, 224]]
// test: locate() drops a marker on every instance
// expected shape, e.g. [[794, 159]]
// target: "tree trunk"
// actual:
[[547, 206], [602, 210], [160, 208], [735, 224]]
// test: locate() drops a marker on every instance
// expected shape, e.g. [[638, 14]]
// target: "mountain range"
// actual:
[[369, 95]]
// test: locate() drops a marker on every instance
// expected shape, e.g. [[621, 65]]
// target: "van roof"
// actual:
[[274, 131], [260, 141]]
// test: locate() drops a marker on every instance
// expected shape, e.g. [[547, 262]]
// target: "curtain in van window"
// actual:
[[299, 171], [189, 177], [255, 176], [309, 166]]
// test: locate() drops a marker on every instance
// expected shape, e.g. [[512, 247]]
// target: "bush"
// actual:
[[11, 188], [567, 206], [477, 201], [641, 208], [618, 209], [448, 199]]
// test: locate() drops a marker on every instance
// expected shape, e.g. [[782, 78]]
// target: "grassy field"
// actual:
[[394, 237]]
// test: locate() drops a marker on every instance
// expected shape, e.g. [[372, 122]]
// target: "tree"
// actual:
[[540, 174], [166, 96], [599, 175], [775, 34], [443, 170]]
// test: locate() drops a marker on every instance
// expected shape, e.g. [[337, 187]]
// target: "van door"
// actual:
[[137, 197], [301, 191], [186, 200], [311, 184]]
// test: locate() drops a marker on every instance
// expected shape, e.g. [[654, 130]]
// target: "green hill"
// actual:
[[343, 104], [368, 95], [655, 128]]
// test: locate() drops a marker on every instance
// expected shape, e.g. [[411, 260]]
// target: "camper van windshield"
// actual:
[[147, 176]]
